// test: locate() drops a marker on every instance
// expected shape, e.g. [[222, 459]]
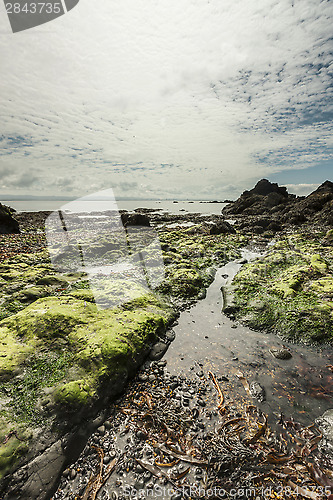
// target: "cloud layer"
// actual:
[[166, 99]]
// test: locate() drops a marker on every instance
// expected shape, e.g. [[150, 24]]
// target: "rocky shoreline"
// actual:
[[38, 437]]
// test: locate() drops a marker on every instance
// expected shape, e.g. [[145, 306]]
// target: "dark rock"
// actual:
[[264, 196], [136, 219], [158, 350], [221, 227], [8, 224]]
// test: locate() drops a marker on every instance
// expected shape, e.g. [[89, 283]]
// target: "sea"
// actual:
[[170, 206]]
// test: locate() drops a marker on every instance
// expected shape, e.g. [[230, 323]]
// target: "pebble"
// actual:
[[73, 474], [201, 402], [281, 353], [195, 412], [101, 430], [141, 435], [170, 335], [158, 350], [66, 473]]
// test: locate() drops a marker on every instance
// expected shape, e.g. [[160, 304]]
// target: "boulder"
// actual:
[[221, 227], [135, 219], [8, 224]]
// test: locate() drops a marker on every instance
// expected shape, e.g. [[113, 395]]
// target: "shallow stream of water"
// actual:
[[206, 339]]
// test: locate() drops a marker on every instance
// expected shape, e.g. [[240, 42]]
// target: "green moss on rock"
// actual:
[[293, 285]]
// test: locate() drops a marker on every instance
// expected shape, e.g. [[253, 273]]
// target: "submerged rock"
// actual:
[[280, 353], [258, 392]]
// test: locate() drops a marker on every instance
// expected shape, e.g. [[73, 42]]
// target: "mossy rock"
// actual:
[[318, 264], [13, 350], [76, 393], [294, 301], [323, 286]]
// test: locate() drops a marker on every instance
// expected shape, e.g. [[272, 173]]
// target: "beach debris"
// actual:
[[243, 447], [280, 353], [258, 392]]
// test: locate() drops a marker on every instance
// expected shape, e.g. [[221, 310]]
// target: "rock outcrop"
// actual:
[[8, 224], [316, 207], [262, 198], [269, 207]]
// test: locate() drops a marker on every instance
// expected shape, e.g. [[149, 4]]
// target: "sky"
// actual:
[[174, 99]]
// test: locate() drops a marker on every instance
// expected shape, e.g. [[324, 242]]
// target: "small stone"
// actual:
[[201, 402], [158, 350], [141, 435], [281, 353], [73, 474], [258, 392], [170, 335], [101, 430]]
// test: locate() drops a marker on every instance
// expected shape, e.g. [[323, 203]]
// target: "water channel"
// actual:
[[206, 340]]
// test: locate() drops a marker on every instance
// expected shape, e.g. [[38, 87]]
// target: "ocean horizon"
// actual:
[[171, 206]]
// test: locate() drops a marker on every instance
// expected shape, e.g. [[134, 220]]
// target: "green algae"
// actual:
[[59, 349], [187, 256], [293, 284], [98, 342]]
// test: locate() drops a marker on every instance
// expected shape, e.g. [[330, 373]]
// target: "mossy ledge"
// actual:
[[288, 290], [62, 358]]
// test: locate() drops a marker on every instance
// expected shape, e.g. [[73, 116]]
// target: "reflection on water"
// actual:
[[207, 340]]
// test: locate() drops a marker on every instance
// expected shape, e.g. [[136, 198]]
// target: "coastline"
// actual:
[[190, 255]]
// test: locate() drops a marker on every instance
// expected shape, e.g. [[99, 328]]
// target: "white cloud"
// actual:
[[160, 98], [301, 189]]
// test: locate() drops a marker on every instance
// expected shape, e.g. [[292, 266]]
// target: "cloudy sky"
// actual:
[[168, 99]]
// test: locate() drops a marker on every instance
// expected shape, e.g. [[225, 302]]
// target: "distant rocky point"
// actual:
[[8, 224], [271, 207]]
